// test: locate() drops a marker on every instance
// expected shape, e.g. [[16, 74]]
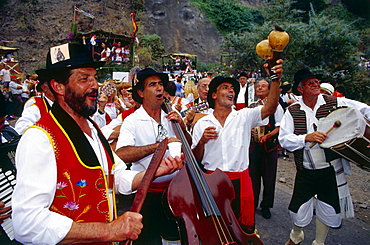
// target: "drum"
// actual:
[[349, 140]]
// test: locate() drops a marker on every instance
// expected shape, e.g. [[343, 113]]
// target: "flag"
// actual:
[[84, 13]]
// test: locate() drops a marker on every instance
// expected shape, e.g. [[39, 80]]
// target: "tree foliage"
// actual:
[[228, 15], [305, 6], [326, 45], [152, 43]]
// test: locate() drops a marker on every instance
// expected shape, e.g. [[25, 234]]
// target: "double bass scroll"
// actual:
[[203, 203]]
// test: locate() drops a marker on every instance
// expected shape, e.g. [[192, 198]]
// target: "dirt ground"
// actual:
[[359, 184]]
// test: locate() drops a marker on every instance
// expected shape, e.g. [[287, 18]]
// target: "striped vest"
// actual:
[[300, 126]]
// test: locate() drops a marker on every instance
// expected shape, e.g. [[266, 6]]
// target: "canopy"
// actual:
[[181, 54], [5, 50]]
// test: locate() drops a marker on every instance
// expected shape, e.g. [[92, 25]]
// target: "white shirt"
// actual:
[[34, 192], [292, 142], [99, 118], [229, 152], [241, 97], [5, 75], [107, 130], [243, 90], [139, 129], [278, 115], [30, 115], [14, 88], [291, 96], [25, 88], [110, 108]]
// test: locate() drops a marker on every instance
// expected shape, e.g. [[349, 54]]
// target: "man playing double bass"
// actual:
[[221, 140], [140, 135]]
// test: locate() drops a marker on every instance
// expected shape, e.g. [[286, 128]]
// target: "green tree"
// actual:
[[228, 15], [153, 44], [324, 44], [305, 6]]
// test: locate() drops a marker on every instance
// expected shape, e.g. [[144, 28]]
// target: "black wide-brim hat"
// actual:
[[300, 76], [243, 74], [69, 56], [215, 83], [42, 77], [141, 76]]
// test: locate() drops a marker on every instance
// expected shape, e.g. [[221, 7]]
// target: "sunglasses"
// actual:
[[312, 82]]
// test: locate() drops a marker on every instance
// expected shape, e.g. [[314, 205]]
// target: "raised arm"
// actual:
[[273, 97]]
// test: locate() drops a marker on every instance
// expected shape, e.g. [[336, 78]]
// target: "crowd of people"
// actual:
[[82, 144], [117, 52]]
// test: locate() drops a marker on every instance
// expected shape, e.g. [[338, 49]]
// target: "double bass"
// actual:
[[201, 203]]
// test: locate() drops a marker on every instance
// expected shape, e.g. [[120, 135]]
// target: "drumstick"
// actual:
[[335, 125]]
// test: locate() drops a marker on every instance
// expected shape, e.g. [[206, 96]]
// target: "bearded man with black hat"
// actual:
[[319, 172], [66, 174], [221, 140], [141, 132]]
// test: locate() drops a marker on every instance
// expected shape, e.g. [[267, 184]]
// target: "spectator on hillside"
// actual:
[[16, 89], [5, 76], [179, 90]]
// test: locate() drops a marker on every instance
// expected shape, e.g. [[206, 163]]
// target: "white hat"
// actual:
[[327, 87]]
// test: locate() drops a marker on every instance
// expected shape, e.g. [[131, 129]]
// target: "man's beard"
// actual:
[[78, 102]]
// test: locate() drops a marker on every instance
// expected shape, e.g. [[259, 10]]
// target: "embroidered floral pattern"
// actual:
[[82, 183], [72, 203], [61, 185]]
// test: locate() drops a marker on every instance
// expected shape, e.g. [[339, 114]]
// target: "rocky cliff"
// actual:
[[35, 25], [182, 28]]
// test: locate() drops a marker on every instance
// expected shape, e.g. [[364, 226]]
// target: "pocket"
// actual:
[[237, 137]]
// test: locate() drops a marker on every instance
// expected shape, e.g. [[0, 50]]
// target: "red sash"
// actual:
[[239, 106], [246, 196]]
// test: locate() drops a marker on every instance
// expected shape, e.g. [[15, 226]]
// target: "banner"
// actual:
[[84, 13]]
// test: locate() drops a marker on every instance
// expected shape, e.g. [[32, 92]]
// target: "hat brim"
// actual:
[[213, 88], [43, 76], [95, 64], [296, 83]]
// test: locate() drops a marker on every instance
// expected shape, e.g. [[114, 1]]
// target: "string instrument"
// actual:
[[108, 89], [149, 176], [202, 203], [258, 132], [197, 108], [270, 144]]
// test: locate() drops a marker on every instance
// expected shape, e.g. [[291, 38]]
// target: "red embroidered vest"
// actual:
[[82, 190]]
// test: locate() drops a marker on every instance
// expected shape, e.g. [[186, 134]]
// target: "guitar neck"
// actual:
[[197, 108]]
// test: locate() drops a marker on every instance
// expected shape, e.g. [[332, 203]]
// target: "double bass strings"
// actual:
[[209, 205]]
